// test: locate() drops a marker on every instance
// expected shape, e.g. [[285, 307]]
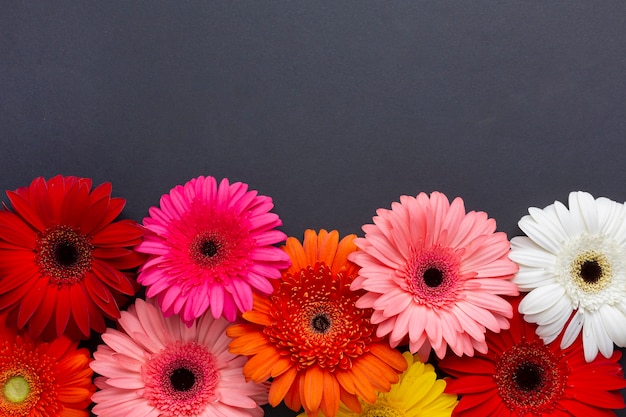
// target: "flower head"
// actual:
[[418, 393], [40, 379], [434, 273], [309, 336], [156, 366], [65, 264], [210, 245], [575, 261], [522, 376]]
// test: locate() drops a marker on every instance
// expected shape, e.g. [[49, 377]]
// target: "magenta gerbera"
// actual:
[[435, 273], [211, 245], [156, 366]]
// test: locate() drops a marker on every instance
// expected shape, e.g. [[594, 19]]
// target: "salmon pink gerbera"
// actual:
[[65, 265], [210, 246], [156, 366], [435, 274], [309, 336], [520, 375]]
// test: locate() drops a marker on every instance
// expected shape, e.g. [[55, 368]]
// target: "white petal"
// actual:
[[604, 342], [573, 330], [614, 323], [583, 206], [526, 252], [540, 299], [528, 278], [544, 228]]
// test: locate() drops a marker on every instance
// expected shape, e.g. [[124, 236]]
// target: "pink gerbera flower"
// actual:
[[159, 367], [434, 273], [210, 246]]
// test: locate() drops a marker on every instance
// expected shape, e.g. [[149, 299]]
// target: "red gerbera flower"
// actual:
[[63, 260], [521, 376], [39, 379]]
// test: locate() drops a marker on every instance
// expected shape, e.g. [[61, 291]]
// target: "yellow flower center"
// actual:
[[16, 389], [381, 410], [591, 271]]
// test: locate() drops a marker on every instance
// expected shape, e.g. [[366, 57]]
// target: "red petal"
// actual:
[[121, 233], [25, 211], [44, 313], [31, 301], [63, 309], [80, 311], [112, 277]]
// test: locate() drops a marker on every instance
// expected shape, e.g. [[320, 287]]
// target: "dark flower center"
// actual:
[[320, 323], [209, 248], [433, 277], [63, 255], [182, 379], [66, 253], [528, 376], [591, 271]]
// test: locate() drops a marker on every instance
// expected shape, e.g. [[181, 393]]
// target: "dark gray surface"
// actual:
[[333, 109]]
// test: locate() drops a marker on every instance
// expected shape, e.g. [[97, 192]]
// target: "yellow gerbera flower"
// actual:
[[418, 394]]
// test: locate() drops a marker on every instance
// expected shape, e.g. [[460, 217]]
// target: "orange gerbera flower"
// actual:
[[309, 336]]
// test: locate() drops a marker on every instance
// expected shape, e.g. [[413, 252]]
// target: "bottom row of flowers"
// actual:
[[157, 366]]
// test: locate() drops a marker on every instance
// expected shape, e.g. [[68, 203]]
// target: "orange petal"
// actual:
[[249, 344], [312, 388], [327, 243], [259, 367], [350, 401], [281, 385], [332, 394]]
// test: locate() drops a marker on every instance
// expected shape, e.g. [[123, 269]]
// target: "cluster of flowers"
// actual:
[[422, 316]]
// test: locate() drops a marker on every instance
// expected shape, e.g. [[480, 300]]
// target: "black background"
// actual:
[[332, 108]]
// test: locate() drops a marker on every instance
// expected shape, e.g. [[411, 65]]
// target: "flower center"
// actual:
[[316, 321], [63, 255], [433, 275], [320, 323], [530, 378], [16, 389], [181, 380], [591, 271], [381, 410], [208, 249]]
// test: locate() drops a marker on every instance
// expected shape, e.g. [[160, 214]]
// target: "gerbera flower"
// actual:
[[40, 379], [418, 393], [435, 273], [64, 262], [159, 367], [575, 260], [210, 246], [522, 376], [309, 336]]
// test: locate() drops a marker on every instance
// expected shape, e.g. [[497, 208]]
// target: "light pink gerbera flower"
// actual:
[[210, 246], [159, 367], [434, 273]]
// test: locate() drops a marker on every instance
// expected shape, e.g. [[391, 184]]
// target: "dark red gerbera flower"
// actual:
[[521, 376], [64, 261]]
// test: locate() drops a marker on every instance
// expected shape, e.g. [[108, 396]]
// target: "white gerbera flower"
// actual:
[[575, 261]]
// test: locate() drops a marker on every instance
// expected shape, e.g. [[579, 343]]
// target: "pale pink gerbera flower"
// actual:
[[159, 367], [435, 274], [210, 246]]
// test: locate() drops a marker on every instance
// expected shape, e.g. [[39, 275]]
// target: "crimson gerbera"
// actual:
[[65, 264], [521, 376]]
